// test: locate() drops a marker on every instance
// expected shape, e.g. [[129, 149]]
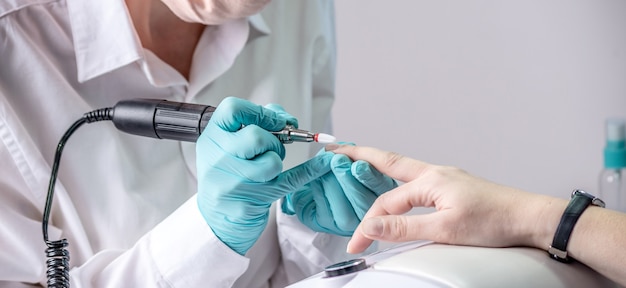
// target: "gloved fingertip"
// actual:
[[361, 167], [325, 158], [340, 161], [287, 205], [372, 178], [233, 112], [280, 112], [363, 171]]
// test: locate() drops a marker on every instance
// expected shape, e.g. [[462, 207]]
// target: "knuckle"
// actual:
[[392, 158], [228, 104], [382, 200], [399, 228], [442, 173]]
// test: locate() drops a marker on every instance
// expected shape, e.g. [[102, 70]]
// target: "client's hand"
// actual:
[[469, 210], [336, 202]]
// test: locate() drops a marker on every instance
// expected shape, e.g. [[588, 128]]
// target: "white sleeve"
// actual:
[[181, 251]]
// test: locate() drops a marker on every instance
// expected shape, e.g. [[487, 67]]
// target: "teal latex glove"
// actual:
[[239, 170], [336, 202]]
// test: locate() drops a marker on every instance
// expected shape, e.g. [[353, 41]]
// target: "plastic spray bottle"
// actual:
[[612, 182]]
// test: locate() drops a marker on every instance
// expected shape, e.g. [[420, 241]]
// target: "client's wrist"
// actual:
[[533, 218], [546, 218]]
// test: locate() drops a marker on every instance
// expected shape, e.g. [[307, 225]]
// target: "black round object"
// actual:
[[345, 267]]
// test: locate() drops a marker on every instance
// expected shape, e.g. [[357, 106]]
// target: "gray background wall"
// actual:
[[514, 91]]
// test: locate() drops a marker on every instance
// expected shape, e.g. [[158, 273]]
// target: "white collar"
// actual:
[[105, 39]]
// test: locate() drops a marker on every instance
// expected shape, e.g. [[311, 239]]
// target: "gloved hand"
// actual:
[[239, 170], [336, 202]]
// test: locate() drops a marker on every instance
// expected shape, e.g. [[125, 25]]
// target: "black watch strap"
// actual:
[[577, 205]]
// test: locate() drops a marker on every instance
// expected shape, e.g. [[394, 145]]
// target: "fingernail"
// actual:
[[349, 248], [331, 147], [373, 227]]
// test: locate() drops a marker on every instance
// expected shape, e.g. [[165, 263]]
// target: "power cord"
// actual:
[[58, 262]]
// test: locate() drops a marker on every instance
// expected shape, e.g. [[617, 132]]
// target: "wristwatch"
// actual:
[[579, 202]]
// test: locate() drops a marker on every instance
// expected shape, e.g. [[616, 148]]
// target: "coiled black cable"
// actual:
[[58, 271]]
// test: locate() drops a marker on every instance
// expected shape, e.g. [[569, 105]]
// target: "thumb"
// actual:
[[392, 228]]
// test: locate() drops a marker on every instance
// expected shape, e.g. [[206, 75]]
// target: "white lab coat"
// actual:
[[126, 203]]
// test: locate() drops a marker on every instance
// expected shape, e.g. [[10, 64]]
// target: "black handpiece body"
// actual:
[[161, 118]]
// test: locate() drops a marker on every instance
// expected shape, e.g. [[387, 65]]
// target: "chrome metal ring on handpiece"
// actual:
[[290, 134]]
